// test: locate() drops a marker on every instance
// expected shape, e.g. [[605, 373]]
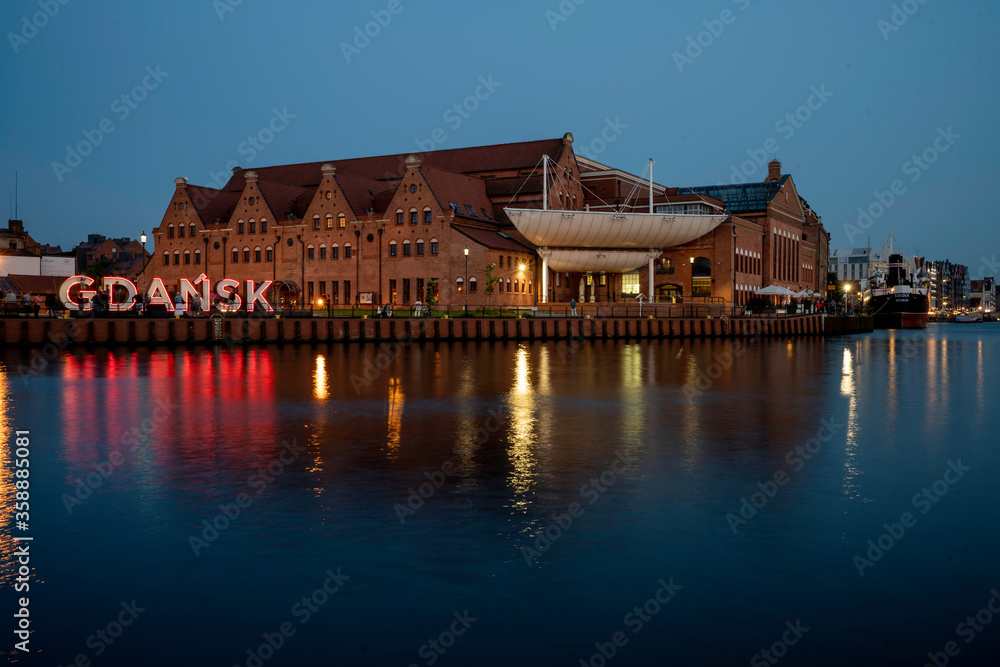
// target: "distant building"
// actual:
[[21, 255], [118, 257], [949, 283], [854, 264], [982, 295]]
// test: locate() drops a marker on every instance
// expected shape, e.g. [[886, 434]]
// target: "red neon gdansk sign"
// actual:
[[76, 293]]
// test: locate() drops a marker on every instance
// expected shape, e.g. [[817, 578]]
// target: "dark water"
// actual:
[[632, 459]]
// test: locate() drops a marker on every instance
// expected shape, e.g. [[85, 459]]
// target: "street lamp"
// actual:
[[380, 265], [142, 239], [357, 264], [465, 285]]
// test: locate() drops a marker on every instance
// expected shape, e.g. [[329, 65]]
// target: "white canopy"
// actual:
[[598, 229], [774, 290], [806, 292]]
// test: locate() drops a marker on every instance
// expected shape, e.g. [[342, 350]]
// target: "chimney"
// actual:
[[568, 138], [774, 170], [236, 170], [181, 183]]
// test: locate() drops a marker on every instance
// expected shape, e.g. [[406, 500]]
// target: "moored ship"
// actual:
[[895, 299]]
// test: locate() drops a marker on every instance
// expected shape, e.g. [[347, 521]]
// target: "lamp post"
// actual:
[[302, 283], [465, 285], [380, 265], [142, 239], [276, 293], [357, 264]]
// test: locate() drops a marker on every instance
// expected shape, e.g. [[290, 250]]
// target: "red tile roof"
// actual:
[[491, 239], [281, 198], [37, 284], [213, 206], [448, 187]]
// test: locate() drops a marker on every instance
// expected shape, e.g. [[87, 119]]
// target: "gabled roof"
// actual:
[[742, 197], [465, 191], [281, 198], [37, 284], [491, 239], [475, 159], [213, 206]]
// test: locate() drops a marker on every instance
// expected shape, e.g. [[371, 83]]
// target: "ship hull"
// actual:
[[895, 311]]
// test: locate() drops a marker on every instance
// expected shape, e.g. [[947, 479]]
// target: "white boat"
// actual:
[[969, 317]]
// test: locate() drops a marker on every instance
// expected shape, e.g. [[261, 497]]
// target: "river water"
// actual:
[[828, 501]]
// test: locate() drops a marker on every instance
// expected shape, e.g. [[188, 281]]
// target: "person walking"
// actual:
[[572, 307], [36, 303]]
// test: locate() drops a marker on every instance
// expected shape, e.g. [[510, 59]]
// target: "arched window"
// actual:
[[341, 221], [236, 255], [310, 252], [315, 222], [459, 284], [269, 251], [329, 221], [246, 255], [263, 225], [170, 232], [322, 251], [508, 284], [192, 230], [177, 257], [335, 251], [434, 246], [181, 231], [399, 216], [256, 254], [420, 247], [427, 214], [253, 226], [166, 259], [347, 251], [187, 255], [702, 267], [406, 248], [197, 256], [241, 226], [413, 216], [531, 289], [472, 284], [393, 248]]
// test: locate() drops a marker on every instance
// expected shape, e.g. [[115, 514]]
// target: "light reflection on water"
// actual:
[[702, 429]]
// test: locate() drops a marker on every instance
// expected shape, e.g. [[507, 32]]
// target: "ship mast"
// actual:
[[545, 182]]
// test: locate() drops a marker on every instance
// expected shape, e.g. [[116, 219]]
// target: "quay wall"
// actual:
[[33, 332]]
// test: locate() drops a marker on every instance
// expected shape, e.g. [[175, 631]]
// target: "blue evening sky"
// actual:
[[889, 91]]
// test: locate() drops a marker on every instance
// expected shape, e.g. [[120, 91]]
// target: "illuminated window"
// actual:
[[329, 221], [630, 283], [342, 221]]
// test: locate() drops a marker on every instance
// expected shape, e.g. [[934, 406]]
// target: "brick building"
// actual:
[[389, 228]]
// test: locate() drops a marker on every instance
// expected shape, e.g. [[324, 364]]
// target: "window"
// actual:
[[471, 211], [263, 226], [508, 284], [406, 248], [472, 284], [515, 286], [347, 251], [177, 257], [413, 216], [329, 221], [531, 289], [166, 259], [253, 200], [197, 256], [392, 248], [242, 226], [315, 222], [270, 254], [702, 267], [485, 214], [455, 207], [420, 247], [322, 251], [434, 246], [253, 226], [630, 283], [192, 230], [458, 284], [399, 216], [170, 232], [342, 221], [334, 251], [311, 252], [236, 256], [182, 230], [427, 215], [187, 255], [256, 254], [508, 262], [246, 255]]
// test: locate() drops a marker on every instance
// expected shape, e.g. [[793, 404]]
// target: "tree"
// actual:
[[838, 291], [491, 280], [431, 292]]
